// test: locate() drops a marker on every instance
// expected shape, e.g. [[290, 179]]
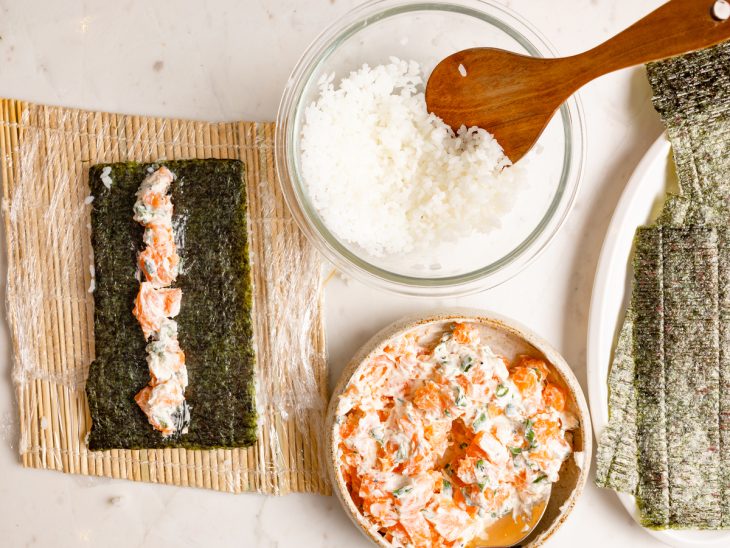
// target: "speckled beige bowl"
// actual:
[[509, 339]]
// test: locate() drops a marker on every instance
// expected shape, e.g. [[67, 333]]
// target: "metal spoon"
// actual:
[[514, 97]]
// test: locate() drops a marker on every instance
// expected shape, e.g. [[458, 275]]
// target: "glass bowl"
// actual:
[[427, 31]]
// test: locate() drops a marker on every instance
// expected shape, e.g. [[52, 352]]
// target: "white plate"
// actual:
[[638, 205]]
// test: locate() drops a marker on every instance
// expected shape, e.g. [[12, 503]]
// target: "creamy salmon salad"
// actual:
[[163, 399], [437, 439]]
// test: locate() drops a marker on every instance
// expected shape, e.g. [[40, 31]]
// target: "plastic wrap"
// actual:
[[44, 161]]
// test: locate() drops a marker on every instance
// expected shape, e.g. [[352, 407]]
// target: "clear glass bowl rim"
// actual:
[[348, 262]]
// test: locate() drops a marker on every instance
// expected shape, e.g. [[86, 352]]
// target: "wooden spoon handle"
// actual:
[[677, 27]]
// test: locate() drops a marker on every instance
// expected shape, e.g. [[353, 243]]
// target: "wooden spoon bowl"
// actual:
[[514, 96]]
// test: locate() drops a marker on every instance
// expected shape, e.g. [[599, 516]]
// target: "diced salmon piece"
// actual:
[[554, 397], [449, 521], [542, 458], [546, 429], [430, 398], [526, 380], [159, 265], [437, 434], [491, 447], [348, 427], [160, 400], [381, 509], [494, 410], [534, 363], [465, 469], [418, 530], [153, 305], [465, 333]]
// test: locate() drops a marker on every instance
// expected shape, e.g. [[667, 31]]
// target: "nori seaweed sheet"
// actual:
[[691, 357], [215, 320], [692, 307], [692, 96], [723, 302], [678, 321], [651, 427], [616, 463]]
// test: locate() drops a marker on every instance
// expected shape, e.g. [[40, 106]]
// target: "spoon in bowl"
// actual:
[[514, 96], [510, 530]]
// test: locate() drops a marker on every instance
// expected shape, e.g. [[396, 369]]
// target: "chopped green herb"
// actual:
[[460, 399], [515, 450], [376, 436], [502, 391], [530, 434], [480, 465], [479, 422], [466, 363], [463, 445], [481, 485], [402, 491], [446, 487], [540, 478]]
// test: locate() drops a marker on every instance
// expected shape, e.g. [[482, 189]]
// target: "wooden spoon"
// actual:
[[514, 96]]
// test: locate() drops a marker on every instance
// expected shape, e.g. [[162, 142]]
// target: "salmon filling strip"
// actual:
[[163, 399]]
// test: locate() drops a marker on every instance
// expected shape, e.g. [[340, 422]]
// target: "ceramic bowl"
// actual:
[[506, 338]]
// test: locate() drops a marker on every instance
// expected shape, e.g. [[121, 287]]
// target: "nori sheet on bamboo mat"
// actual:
[[214, 324]]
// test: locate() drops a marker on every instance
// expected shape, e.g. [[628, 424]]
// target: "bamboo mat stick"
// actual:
[[16, 287]]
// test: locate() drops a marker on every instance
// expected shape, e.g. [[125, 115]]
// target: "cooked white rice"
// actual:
[[390, 177]]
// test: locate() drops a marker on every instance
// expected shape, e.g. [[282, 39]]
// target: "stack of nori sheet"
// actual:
[[215, 320], [668, 438]]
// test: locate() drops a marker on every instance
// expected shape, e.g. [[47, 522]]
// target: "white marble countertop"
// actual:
[[229, 60]]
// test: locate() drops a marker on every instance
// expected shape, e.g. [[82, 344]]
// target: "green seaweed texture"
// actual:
[[670, 377], [215, 320]]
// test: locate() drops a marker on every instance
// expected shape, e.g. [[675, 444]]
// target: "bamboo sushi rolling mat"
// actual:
[[45, 153]]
